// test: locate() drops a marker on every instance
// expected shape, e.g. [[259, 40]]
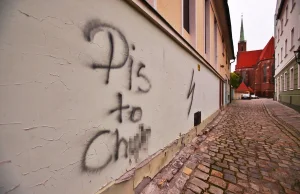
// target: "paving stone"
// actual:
[[187, 170], [173, 191], [223, 165], [215, 190], [203, 185], [203, 168], [189, 192], [217, 181], [181, 180], [228, 171], [241, 175], [254, 186], [217, 173], [201, 175], [235, 188], [194, 188], [230, 178]]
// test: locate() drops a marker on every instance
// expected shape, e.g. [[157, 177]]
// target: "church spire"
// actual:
[[242, 38]]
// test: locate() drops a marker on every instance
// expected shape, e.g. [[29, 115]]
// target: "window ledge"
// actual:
[[292, 47], [291, 89]]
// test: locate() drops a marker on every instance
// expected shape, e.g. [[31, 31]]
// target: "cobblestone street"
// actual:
[[252, 147]]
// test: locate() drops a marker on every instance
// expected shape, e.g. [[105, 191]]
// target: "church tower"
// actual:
[[242, 46]]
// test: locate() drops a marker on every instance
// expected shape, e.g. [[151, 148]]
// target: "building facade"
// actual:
[[287, 40], [256, 67], [95, 96], [206, 29]]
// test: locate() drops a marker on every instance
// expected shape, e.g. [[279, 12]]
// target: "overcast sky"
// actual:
[[258, 22]]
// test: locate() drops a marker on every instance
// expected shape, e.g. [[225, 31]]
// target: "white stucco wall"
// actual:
[[53, 103], [292, 22]]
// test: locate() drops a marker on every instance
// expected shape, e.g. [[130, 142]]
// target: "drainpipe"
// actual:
[[229, 79]]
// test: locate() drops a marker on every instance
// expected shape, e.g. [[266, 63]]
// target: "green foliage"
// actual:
[[235, 80]]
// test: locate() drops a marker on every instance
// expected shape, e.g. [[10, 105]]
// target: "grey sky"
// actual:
[[258, 22]]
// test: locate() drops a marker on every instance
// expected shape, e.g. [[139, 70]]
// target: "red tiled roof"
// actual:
[[268, 51], [250, 90], [247, 59], [242, 88]]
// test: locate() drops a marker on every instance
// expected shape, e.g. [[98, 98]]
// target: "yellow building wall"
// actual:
[[171, 11], [212, 41], [200, 26]]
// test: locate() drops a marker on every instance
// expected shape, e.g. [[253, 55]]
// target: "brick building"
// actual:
[[256, 67]]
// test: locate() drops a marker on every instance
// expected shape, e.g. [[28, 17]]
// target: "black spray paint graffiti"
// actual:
[[191, 91], [91, 29], [95, 26], [135, 114], [134, 144], [131, 147]]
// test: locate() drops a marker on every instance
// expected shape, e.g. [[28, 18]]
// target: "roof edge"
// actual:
[[229, 25]]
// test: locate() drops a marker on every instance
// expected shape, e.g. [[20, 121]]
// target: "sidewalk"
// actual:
[[250, 149]]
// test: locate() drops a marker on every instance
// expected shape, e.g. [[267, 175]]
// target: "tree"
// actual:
[[235, 80]]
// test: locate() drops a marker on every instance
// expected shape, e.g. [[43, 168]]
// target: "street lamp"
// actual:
[[297, 55]]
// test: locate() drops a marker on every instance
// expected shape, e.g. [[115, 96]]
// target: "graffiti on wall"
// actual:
[[133, 145], [122, 147], [191, 92]]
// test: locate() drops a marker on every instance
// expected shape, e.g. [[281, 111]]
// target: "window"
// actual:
[[285, 81], [281, 26], [265, 73], [281, 83], [292, 38], [278, 59], [281, 53], [285, 48], [298, 76], [207, 26], [292, 78], [278, 36], [278, 85], [286, 14], [186, 15], [216, 41]]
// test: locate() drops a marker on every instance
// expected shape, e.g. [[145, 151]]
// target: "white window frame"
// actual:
[[285, 81], [285, 48], [292, 78], [281, 84], [278, 84], [292, 38]]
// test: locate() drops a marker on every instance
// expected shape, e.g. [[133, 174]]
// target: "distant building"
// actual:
[[256, 67], [242, 89], [287, 35]]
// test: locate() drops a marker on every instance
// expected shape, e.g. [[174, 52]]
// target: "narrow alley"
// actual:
[[250, 149]]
